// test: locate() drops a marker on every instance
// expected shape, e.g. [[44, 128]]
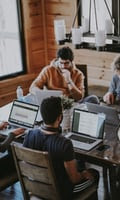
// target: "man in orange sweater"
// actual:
[[62, 75]]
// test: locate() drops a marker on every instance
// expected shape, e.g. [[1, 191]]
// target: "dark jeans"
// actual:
[[81, 166], [90, 99]]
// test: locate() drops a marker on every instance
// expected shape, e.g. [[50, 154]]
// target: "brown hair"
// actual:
[[116, 63]]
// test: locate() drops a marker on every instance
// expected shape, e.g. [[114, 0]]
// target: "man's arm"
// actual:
[[109, 97], [76, 88], [5, 144], [74, 175], [40, 81]]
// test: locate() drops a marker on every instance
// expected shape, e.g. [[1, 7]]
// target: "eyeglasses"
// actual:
[[65, 63]]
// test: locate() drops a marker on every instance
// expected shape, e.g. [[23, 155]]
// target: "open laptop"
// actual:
[[41, 94], [23, 115], [87, 129], [112, 121]]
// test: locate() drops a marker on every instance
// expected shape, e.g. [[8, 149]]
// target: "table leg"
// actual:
[[105, 182], [113, 186]]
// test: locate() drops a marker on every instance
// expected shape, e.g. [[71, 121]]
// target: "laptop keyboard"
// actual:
[[82, 139]]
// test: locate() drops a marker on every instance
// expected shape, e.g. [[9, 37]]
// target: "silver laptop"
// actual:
[[112, 116], [87, 129], [21, 115], [112, 121], [41, 94]]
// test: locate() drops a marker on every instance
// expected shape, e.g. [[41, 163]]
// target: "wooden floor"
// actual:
[[12, 193]]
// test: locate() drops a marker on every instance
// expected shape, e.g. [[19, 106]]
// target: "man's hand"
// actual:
[[109, 98], [18, 131], [67, 75], [87, 175], [3, 125]]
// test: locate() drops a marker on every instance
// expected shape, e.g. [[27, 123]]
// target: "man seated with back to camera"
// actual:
[[49, 138], [63, 75]]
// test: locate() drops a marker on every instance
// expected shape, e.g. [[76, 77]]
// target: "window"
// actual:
[[11, 48], [101, 15]]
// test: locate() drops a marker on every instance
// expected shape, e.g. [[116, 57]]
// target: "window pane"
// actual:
[[101, 10], [10, 49]]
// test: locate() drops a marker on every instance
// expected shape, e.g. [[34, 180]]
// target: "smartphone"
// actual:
[[103, 147]]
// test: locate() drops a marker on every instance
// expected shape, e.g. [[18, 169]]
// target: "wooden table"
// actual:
[[109, 159]]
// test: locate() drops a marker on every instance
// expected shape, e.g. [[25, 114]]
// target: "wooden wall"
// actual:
[[40, 46]]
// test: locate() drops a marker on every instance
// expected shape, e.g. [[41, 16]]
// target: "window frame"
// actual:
[[21, 43]]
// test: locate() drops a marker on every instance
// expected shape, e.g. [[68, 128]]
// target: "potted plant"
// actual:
[[67, 104]]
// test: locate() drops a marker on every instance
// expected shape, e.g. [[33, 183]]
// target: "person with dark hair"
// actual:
[[65, 53], [49, 138], [5, 143], [63, 75]]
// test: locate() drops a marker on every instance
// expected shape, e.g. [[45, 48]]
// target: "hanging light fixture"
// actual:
[[60, 31], [77, 35]]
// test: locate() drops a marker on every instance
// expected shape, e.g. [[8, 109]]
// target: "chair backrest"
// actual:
[[83, 69], [35, 172]]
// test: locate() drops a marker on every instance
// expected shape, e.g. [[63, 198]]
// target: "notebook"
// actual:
[[23, 115], [44, 93], [87, 129], [112, 121]]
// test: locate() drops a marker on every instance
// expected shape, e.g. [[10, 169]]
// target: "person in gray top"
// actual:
[[5, 143], [113, 94]]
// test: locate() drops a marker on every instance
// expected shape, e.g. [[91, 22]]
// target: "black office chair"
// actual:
[[83, 69]]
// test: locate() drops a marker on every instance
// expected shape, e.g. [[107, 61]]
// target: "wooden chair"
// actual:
[[83, 69], [36, 175]]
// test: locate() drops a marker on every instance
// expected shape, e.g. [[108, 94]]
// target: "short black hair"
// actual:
[[51, 108], [65, 53]]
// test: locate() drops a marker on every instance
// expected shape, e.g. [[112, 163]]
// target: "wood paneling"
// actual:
[[8, 88], [34, 34], [99, 65], [57, 10]]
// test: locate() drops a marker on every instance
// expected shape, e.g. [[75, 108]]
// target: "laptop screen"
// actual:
[[23, 114], [41, 94], [88, 123]]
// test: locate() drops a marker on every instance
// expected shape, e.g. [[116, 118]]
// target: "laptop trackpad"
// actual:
[[82, 139]]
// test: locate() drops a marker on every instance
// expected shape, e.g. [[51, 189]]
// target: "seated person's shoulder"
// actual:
[[115, 77], [32, 133], [49, 68], [65, 141]]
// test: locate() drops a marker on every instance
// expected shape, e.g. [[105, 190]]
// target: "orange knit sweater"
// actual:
[[52, 78]]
